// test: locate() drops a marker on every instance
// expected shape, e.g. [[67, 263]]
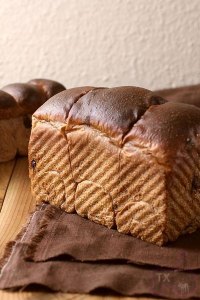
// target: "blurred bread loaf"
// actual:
[[185, 94], [17, 103]]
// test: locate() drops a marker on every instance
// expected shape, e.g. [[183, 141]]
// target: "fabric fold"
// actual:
[[64, 252], [79, 277], [59, 233]]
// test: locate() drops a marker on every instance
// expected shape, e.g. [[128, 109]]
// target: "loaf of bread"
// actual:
[[186, 94], [122, 157], [17, 103]]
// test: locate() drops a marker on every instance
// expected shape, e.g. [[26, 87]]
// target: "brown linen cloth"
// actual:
[[69, 234], [186, 94], [48, 226]]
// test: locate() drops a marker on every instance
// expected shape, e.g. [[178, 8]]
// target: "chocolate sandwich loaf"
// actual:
[[122, 157], [17, 103]]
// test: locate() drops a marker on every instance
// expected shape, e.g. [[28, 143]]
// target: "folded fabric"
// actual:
[[80, 277], [67, 253], [59, 233]]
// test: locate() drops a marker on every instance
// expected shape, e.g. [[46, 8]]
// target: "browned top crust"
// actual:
[[112, 111], [132, 117], [166, 129], [49, 87], [187, 94], [20, 99], [58, 107]]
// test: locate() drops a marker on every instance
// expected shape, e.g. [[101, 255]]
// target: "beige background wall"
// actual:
[[149, 43]]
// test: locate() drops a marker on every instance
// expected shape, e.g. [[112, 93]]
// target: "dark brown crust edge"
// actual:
[[19, 99]]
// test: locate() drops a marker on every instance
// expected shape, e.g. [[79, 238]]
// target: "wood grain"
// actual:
[[15, 194], [6, 170], [60, 296], [17, 204]]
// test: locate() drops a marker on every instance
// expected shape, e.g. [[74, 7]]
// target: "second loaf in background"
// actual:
[[184, 94], [122, 157], [18, 101]]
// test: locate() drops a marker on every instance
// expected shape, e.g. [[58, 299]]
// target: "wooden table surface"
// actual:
[[16, 203]]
